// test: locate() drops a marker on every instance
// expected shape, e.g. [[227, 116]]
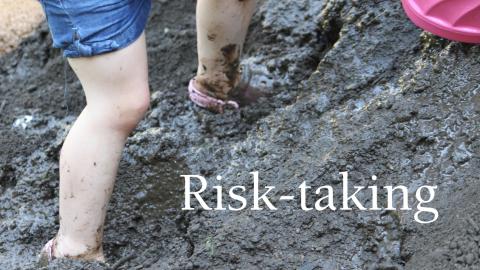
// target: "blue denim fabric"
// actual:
[[85, 28]]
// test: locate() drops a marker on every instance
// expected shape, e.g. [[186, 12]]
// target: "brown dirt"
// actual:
[[18, 18]]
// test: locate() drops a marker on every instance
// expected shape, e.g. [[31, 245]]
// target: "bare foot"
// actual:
[[54, 250]]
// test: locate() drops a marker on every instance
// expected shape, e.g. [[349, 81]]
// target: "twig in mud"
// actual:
[[122, 261], [2, 105]]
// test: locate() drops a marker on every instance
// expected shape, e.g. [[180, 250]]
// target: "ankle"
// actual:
[[67, 248], [217, 84], [216, 89]]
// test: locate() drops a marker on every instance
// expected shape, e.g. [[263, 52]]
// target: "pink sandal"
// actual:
[[206, 101], [243, 94], [452, 19]]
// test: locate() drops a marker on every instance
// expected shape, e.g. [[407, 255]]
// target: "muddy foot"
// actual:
[[50, 252]]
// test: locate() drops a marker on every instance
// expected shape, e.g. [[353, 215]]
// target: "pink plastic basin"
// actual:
[[452, 19]]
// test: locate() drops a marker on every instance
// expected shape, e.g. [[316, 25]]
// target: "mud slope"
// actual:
[[355, 87]]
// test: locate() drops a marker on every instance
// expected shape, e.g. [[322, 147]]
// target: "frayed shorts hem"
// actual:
[[88, 28]]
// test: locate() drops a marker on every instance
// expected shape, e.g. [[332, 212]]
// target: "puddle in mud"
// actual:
[[161, 187]]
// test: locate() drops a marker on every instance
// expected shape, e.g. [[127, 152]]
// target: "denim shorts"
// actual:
[[85, 28]]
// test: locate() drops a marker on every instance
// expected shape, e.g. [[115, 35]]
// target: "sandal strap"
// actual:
[[206, 101], [49, 249]]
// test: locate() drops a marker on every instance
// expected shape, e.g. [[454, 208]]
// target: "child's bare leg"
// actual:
[[116, 88], [221, 30]]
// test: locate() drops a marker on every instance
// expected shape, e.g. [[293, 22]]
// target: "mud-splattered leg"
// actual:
[[117, 98], [221, 30]]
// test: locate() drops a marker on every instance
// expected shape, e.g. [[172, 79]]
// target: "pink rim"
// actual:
[[448, 32]]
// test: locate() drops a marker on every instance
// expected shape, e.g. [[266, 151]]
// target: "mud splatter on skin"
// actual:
[[212, 36], [91, 251], [98, 238], [231, 54], [211, 81], [223, 73]]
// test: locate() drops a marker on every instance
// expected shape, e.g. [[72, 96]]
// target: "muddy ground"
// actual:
[[355, 86]]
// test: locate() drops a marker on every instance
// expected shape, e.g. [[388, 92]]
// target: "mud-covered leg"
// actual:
[[221, 30], [117, 98]]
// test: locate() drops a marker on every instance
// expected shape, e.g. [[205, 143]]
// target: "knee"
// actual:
[[129, 111]]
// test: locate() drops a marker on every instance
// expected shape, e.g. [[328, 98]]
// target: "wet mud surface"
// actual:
[[354, 87]]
